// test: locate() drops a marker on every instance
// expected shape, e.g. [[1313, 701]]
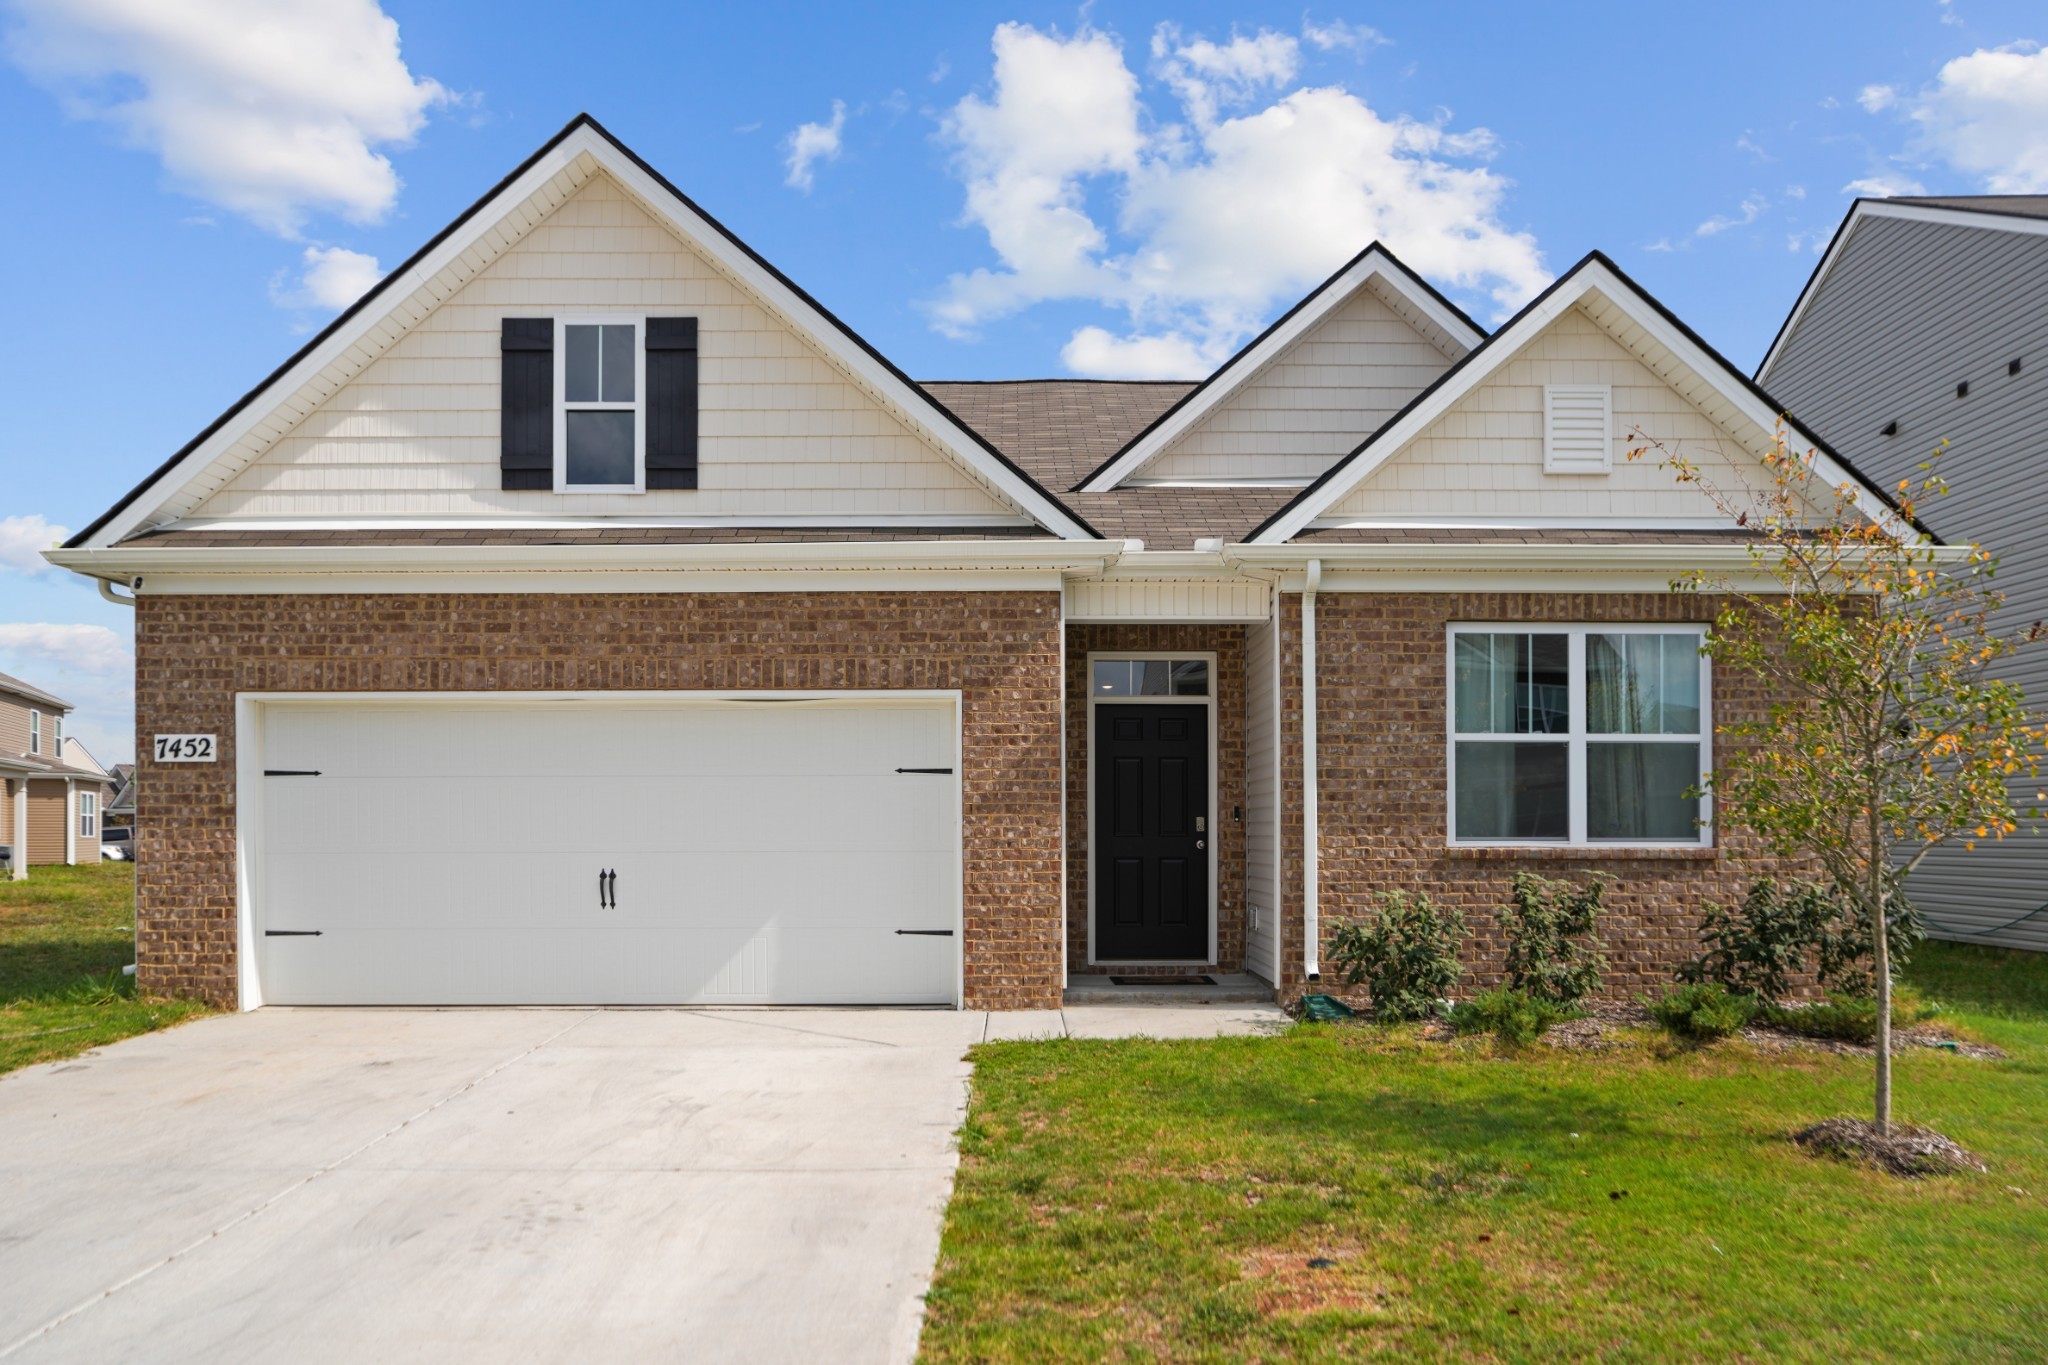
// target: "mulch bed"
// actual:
[[1903, 1149]]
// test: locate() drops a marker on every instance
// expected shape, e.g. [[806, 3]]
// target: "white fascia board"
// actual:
[[1592, 278], [1247, 365], [715, 245], [1989, 219], [1495, 567], [821, 521]]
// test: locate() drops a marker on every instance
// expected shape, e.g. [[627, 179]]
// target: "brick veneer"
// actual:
[[1001, 649], [1227, 843], [1382, 771]]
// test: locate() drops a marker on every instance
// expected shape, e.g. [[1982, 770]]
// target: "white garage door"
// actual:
[[580, 852]]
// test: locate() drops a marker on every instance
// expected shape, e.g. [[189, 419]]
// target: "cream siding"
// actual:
[[47, 812], [1311, 404], [1483, 458], [415, 433], [1167, 599], [1262, 800], [14, 727]]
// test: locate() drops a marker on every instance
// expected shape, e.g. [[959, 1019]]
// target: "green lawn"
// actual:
[[65, 934], [1142, 1201]]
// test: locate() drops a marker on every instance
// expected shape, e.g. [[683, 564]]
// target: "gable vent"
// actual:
[[1578, 428]]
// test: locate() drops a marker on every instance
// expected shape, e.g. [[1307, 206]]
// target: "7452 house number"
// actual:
[[184, 748]]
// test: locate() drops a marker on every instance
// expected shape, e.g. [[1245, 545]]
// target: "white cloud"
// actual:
[[1948, 12], [334, 277], [1987, 115], [1328, 37], [1884, 186], [1875, 98], [1745, 144], [83, 649], [1752, 207], [811, 143], [23, 540], [1194, 229], [1795, 191], [274, 109]]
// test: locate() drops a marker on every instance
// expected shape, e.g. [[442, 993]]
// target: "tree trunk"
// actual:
[[1881, 963]]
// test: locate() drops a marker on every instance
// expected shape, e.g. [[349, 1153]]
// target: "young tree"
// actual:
[[1885, 735]]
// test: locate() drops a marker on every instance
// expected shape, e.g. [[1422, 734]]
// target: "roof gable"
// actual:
[[1376, 288], [468, 247], [1625, 329]]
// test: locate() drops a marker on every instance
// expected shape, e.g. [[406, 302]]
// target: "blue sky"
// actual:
[[982, 190]]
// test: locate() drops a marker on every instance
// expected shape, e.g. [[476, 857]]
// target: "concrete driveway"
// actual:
[[510, 1185]]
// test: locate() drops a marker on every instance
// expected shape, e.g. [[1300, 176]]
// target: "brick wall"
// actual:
[[1227, 841], [1382, 774], [1001, 650]]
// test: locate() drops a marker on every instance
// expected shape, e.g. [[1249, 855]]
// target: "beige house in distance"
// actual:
[[56, 793]]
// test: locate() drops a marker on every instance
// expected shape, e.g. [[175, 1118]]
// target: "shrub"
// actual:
[[1514, 1016], [1702, 1010], [1553, 952], [1405, 955], [1847, 1018], [1845, 945], [1757, 947]]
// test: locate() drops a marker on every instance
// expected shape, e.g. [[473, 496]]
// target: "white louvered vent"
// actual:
[[1578, 428]]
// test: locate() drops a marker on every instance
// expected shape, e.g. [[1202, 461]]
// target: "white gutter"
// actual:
[[1311, 879]]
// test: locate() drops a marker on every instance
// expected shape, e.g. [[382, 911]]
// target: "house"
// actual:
[[1925, 322], [55, 792], [818, 684], [121, 805]]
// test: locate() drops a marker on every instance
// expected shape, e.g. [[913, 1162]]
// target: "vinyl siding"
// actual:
[[1483, 458], [782, 431], [14, 727], [1262, 800], [47, 811], [1312, 403], [1909, 310]]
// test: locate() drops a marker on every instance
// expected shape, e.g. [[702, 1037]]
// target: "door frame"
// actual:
[[248, 748], [1215, 833]]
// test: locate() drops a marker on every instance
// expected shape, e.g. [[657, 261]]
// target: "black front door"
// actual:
[[1151, 853]]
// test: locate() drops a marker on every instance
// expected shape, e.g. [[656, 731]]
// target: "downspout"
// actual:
[[135, 949], [1311, 853], [107, 591]]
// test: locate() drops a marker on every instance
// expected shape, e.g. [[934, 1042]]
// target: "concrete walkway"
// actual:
[[530, 1185]]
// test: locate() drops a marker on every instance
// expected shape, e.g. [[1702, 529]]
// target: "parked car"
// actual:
[[118, 843]]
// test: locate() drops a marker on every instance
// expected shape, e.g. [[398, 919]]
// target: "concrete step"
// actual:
[[1231, 988]]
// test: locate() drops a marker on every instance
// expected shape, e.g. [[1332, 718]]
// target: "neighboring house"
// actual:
[[1927, 322], [56, 793], [821, 685], [121, 805]]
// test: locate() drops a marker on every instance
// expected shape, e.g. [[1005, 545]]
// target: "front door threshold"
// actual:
[[1231, 988]]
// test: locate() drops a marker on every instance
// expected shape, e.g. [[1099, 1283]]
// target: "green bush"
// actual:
[[1844, 948], [1514, 1016], [1781, 927], [1405, 955], [1847, 1018], [1702, 1010], [1553, 952]]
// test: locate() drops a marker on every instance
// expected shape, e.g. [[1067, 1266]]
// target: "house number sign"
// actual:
[[184, 748]]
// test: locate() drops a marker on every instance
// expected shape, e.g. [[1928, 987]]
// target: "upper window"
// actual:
[[600, 434], [1151, 678], [88, 814], [35, 732], [1578, 735], [57, 737]]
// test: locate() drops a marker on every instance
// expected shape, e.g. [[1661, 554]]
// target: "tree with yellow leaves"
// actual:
[[1886, 735]]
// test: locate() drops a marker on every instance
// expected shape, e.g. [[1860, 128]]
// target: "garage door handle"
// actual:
[[607, 889], [946, 771], [612, 886], [291, 933], [291, 772], [928, 933]]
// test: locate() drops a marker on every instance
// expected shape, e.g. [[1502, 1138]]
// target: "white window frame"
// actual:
[[1214, 850], [1575, 737], [35, 733], [57, 735], [638, 407], [88, 815]]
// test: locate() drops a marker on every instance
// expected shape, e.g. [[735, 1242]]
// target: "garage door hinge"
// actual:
[[928, 933], [291, 933], [947, 771], [291, 772]]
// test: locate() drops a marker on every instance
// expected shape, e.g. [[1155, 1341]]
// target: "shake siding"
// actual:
[[1313, 402], [1484, 457], [1262, 799], [1909, 310], [782, 431]]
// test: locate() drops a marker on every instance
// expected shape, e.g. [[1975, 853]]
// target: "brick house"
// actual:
[[588, 615], [55, 794]]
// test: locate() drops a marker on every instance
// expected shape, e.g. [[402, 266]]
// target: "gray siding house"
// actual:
[[1927, 321]]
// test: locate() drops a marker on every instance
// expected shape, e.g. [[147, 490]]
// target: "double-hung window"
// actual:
[[1578, 735], [600, 431], [88, 814], [35, 732]]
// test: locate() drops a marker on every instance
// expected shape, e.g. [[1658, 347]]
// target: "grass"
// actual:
[[1138, 1200], [65, 934]]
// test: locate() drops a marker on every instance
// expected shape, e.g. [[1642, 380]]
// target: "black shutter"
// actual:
[[671, 403], [526, 432]]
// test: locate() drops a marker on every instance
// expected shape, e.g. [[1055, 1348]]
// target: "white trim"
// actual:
[[35, 732], [17, 857], [70, 822], [1311, 812], [793, 521], [1523, 524], [251, 707], [563, 407], [1591, 278], [1989, 219], [1372, 263], [1575, 737], [1214, 841], [714, 245], [88, 809]]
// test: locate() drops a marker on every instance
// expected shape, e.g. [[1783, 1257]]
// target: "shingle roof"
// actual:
[[15, 685], [2018, 205]]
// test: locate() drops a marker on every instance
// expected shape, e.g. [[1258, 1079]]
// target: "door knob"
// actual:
[[1201, 843]]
